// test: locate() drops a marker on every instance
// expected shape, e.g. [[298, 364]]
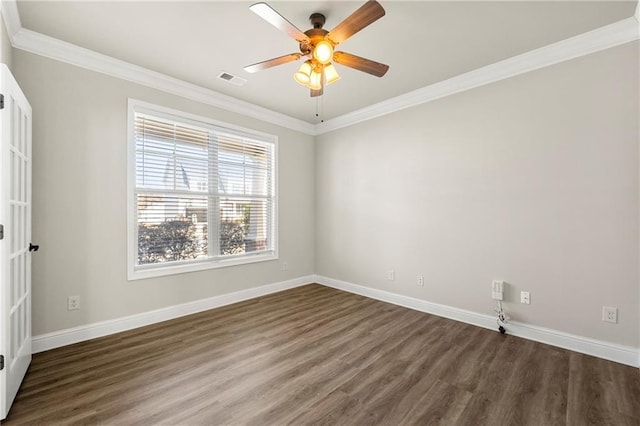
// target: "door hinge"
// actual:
[[1, 101], [1, 362], [1, 232]]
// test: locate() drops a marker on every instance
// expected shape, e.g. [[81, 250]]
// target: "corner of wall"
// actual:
[[315, 204]]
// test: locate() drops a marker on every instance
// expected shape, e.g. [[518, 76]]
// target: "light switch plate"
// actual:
[[497, 290]]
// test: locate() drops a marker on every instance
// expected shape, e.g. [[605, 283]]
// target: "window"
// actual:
[[201, 193]]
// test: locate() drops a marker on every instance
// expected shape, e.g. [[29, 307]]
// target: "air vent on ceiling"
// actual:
[[233, 79]]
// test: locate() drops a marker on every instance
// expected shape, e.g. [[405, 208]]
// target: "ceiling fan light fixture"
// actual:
[[323, 52], [318, 44], [330, 73], [303, 75]]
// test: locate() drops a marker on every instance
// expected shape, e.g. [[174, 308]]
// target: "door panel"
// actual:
[[15, 258]]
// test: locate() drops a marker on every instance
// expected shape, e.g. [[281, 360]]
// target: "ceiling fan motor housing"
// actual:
[[315, 35]]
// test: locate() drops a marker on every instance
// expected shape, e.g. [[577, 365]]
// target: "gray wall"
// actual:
[[79, 200], [533, 180]]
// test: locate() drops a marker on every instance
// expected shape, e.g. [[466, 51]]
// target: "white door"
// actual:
[[15, 244]]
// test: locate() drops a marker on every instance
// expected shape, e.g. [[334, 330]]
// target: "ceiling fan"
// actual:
[[317, 44]]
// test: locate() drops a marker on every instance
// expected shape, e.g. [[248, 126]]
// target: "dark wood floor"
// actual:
[[322, 356]]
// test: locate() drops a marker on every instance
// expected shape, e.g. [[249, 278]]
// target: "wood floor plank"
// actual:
[[335, 408], [316, 355], [596, 398], [442, 404]]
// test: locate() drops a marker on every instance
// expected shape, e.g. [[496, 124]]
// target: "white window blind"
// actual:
[[203, 194]]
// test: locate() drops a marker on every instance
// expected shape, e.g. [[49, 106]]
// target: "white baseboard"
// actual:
[[618, 353], [73, 335], [611, 351]]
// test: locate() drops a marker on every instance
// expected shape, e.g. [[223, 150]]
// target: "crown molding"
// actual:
[[612, 35], [40, 44], [11, 17], [606, 37]]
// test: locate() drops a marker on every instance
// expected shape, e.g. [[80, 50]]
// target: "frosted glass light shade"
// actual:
[[330, 73], [323, 52], [316, 81], [303, 75]]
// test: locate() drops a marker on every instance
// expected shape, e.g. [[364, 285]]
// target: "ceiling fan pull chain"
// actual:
[[320, 108]]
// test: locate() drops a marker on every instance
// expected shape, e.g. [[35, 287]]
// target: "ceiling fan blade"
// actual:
[[270, 15], [360, 64], [368, 13], [272, 62]]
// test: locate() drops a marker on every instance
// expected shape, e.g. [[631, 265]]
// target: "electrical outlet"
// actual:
[[391, 275], [73, 303], [285, 266], [525, 297], [610, 314], [420, 280]]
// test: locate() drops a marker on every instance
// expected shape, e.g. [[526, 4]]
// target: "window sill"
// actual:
[[151, 271]]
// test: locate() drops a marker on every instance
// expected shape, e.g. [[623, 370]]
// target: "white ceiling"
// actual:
[[422, 42]]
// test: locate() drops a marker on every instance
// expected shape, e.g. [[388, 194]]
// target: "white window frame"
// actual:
[[134, 271]]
